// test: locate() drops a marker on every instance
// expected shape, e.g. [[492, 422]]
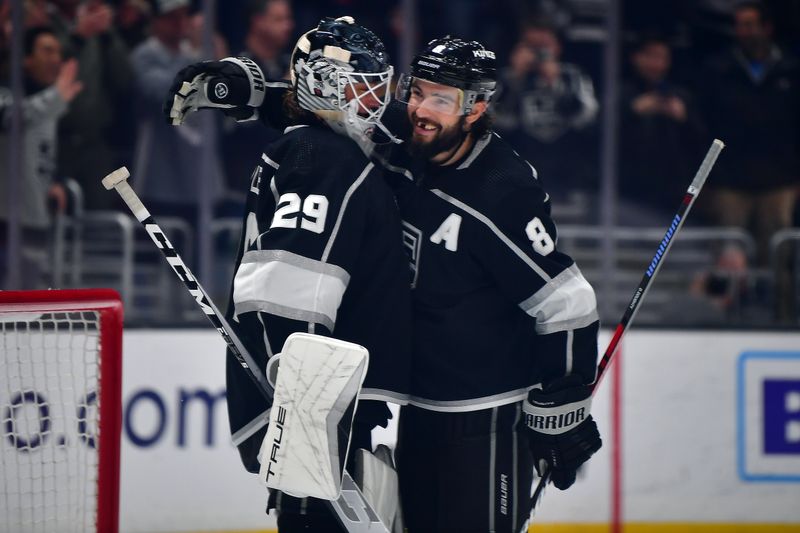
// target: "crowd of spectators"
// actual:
[[95, 72]]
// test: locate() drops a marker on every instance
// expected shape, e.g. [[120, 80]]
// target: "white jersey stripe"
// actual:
[[383, 395], [270, 162], [267, 344], [492, 466], [566, 325], [393, 168], [500, 235], [568, 349], [296, 126], [472, 404], [308, 290], [355, 185], [567, 302], [274, 189], [482, 143], [515, 461]]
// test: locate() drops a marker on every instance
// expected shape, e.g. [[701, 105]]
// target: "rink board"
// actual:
[[711, 426]]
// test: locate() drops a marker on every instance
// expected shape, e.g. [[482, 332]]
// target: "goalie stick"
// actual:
[[652, 269], [351, 508]]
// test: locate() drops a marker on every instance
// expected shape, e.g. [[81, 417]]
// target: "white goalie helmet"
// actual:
[[341, 73]]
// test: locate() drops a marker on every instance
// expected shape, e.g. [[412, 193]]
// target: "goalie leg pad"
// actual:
[[376, 475], [305, 449]]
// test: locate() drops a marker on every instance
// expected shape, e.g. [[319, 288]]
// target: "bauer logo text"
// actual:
[[662, 248]]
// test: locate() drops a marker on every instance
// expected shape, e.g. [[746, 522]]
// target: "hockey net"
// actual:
[[60, 410]]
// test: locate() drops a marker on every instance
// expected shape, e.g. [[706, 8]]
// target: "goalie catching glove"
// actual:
[[564, 434], [236, 85]]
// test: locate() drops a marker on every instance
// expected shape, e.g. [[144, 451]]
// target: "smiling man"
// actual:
[[441, 114], [505, 325]]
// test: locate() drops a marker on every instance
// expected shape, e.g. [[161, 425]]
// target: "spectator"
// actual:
[[545, 106], [36, 13], [133, 17], [661, 137], [169, 161], [50, 84], [95, 135], [269, 33], [725, 294], [753, 103]]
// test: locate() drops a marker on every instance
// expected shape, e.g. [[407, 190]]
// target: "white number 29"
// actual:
[[542, 242], [314, 208]]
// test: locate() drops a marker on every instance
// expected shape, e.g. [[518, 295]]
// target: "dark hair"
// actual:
[[32, 35], [648, 39], [542, 23], [763, 11], [294, 113], [483, 125], [256, 7]]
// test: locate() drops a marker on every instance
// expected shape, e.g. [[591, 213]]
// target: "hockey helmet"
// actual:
[[465, 65], [341, 73]]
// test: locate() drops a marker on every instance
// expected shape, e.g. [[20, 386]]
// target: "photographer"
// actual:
[[545, 106], [660, 130], [727, 293]]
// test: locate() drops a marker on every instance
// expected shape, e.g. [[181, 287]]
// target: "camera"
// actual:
[[543, 54]]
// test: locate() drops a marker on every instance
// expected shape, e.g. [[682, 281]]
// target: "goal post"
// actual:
[[60, 410]]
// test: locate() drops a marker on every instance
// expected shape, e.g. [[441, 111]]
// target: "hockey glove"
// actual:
[[235, 85], [564, 433]]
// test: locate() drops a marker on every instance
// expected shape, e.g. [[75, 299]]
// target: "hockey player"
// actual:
[[505, 324], [321, 246]]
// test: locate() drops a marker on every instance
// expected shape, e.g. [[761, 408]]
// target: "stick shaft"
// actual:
[[655, 264], [641, 290], [193, 286], [351, 508]]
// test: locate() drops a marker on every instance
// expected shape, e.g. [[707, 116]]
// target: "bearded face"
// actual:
[[438, 126], [430, 138]]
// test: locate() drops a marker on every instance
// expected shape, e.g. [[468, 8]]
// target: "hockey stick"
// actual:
[[652, 269], [351, 508]]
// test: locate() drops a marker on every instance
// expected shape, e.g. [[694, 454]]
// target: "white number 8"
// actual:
[[542, 242]]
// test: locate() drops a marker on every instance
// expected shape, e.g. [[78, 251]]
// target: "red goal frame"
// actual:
[[108, 304]]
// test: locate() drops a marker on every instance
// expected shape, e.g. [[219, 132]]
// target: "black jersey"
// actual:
[[497, 307], [321, 252]]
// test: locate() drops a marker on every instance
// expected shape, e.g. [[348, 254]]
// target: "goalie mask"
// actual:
[[341, 73], [466, 65]]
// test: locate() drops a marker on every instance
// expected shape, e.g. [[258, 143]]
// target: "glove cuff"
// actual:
[[254, 76], [544, 417]]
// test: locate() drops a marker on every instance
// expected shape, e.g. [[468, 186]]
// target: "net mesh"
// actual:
[[49, 419]]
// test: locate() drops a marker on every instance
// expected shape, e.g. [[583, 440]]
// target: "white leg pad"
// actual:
[[305, 449], [377, 477]]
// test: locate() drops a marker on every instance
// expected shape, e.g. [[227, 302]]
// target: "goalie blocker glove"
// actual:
[[564, 434], [235, 85]]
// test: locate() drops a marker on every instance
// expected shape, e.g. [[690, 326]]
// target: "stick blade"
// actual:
[[116, 177]]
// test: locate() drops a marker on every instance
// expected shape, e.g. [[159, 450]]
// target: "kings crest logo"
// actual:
[[769, 416], [412, 241]]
